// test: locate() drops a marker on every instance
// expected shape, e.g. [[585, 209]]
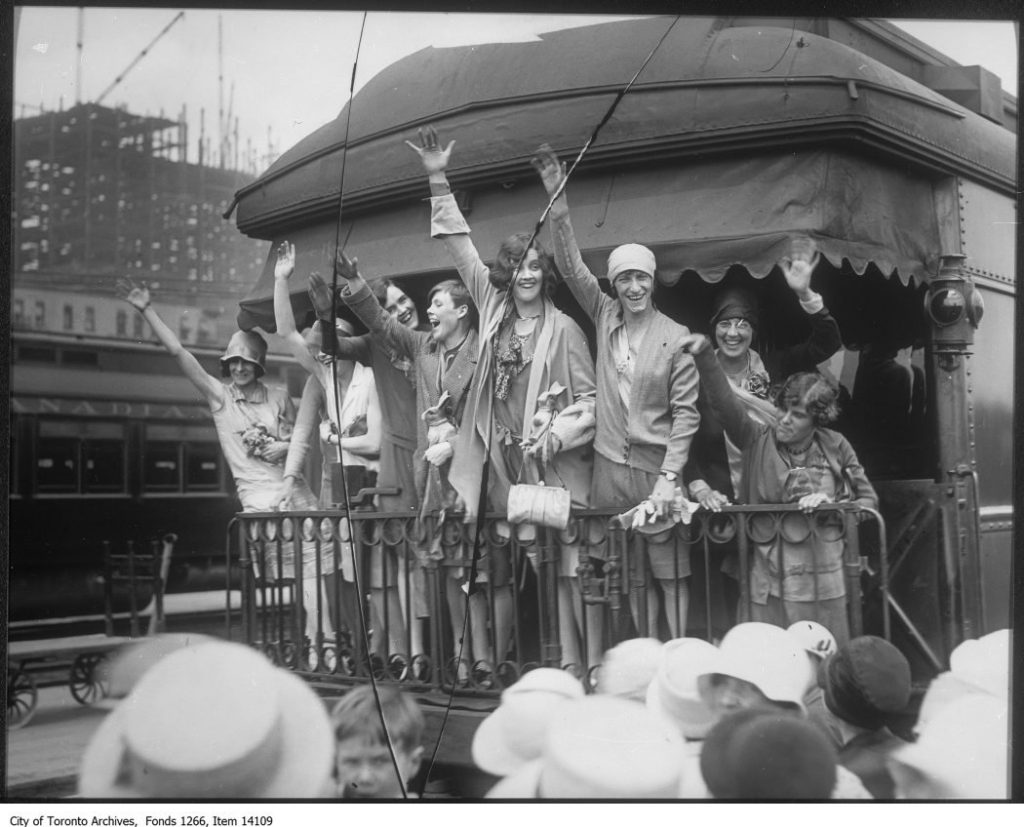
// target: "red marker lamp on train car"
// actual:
[[955, 308]]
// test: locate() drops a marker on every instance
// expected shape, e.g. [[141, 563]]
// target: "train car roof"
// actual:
[[710, 86]]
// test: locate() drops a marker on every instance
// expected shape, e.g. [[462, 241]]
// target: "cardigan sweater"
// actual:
[[654, 434]]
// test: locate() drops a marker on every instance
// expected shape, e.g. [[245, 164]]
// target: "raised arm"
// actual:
[[283, 314], [738, 426], [356, 293], [306, 426], [446, 220], [825, 339], [139, 298], [577, 275], [353, 348]]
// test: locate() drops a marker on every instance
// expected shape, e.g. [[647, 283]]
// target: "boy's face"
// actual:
[[444, 316], [365, 769]]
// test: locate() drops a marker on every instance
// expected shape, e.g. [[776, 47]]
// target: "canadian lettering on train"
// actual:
[[81, 407]]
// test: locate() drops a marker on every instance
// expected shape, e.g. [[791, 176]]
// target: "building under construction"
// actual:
[[100, 192]]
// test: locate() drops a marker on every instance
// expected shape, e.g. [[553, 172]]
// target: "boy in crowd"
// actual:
[[364, 764]]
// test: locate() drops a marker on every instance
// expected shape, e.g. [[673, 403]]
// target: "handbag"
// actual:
[[539, 504]]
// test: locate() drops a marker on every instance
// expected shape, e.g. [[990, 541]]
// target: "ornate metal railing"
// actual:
[[310, 617]]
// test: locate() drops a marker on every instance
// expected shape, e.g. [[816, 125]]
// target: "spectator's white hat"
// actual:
[[674, 692], [984, 663], [124, 670], [962, 750], [601, 747], [815, 638], [766, 656], [514, 733], [976, 666], [629, 667], [212, 721]]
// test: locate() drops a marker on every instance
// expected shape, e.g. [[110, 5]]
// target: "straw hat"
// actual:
[[766, 656], [212, 721], [514, 733], [601, 747], [674, 692], [629, 667], [125, 669]]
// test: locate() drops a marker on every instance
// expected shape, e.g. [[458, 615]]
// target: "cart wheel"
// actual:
[[85, 682], [22, 698]]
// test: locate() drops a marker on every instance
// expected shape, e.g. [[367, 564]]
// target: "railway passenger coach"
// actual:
[[110, 442]]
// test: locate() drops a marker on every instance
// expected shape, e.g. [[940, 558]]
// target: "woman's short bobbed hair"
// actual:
[[513, 249], [812, 390]]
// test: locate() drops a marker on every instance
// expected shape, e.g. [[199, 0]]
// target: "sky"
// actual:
[[286, 73]]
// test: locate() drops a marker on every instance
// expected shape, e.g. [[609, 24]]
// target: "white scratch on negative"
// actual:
[[41, 48]]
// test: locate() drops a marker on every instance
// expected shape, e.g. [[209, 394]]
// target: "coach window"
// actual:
[[203, 464], [103, 458], [180, 458], [69, 317], [80, 456], [162, 459], [56, 470]]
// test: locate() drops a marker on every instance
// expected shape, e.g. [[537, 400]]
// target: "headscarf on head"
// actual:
[[630, 257]]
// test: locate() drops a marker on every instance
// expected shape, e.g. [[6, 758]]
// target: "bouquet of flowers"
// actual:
[[256, 438]]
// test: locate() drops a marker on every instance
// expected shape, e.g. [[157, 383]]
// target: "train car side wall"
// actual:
[[988, 222]]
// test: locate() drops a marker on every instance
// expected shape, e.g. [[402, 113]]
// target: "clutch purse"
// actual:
[[545, 505]]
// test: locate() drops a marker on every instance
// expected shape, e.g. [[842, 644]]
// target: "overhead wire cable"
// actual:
[[329, 337]]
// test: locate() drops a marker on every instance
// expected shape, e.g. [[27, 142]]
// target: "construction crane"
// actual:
[[139, 57]]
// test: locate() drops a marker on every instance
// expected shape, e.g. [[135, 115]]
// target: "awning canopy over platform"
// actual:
[[704, 217]]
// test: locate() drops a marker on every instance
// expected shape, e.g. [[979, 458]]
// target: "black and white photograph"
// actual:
[[505, 407]]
